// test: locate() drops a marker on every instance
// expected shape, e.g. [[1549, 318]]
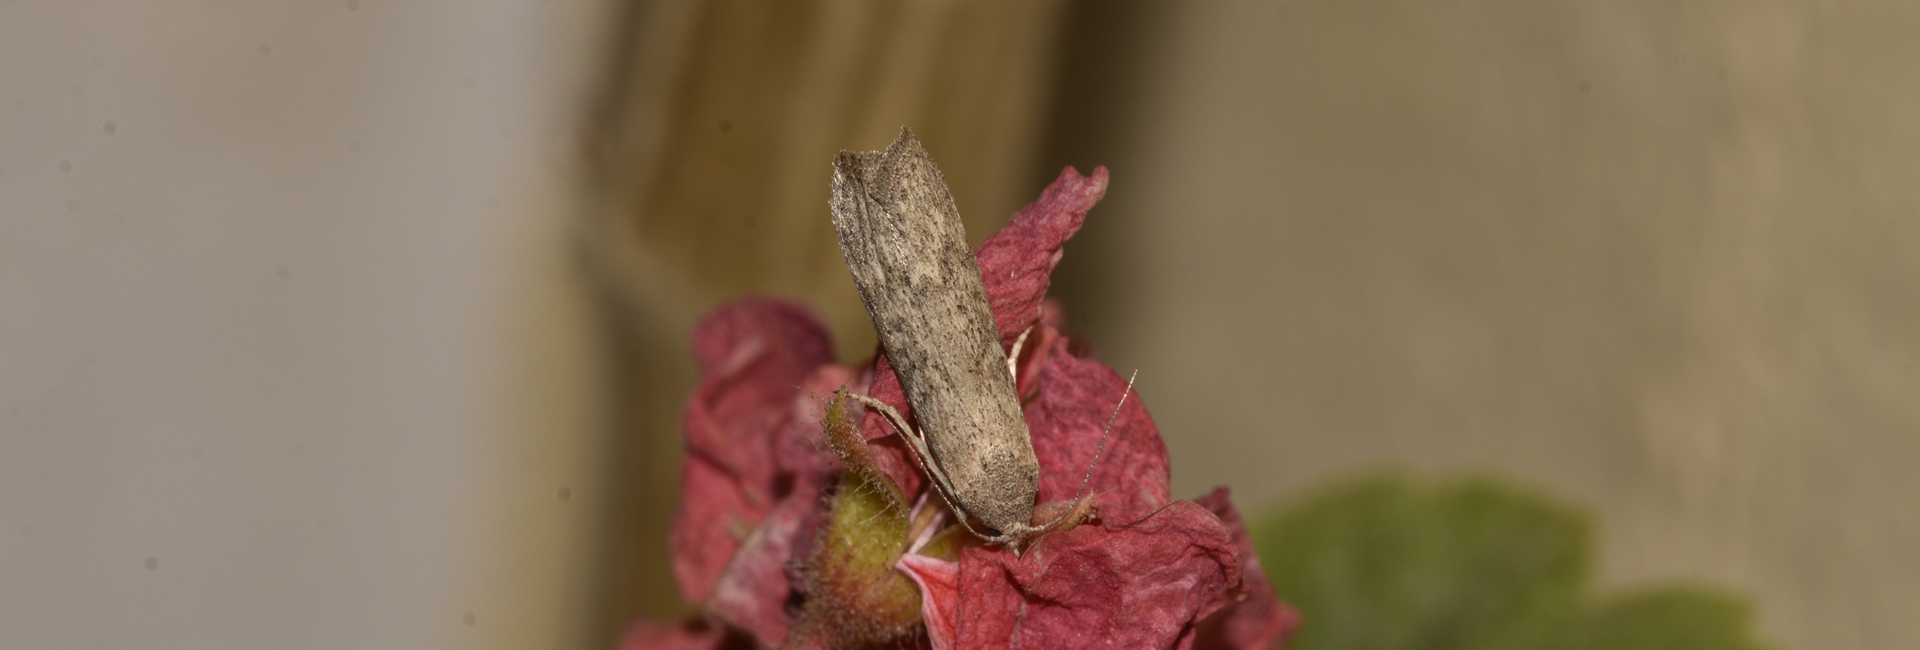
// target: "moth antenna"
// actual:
[[1096, 453]]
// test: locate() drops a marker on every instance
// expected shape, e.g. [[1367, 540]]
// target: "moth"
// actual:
[[904, 243]]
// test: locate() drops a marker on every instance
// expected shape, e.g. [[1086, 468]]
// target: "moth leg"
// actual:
[[917, 444], [915, 441], [1013, 358]]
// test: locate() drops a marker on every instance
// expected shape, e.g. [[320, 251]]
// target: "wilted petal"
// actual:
[[1138, 585], [1259, 621], [1076, 398], [752, 353], [714, 516], [1017, 262], [751, 594]]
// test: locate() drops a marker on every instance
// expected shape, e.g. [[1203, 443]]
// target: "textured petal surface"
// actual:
[[1076, 398], [1259, 621], [1137, 585], [1017, 262], [752, 353], [751, 594], [714, 516]]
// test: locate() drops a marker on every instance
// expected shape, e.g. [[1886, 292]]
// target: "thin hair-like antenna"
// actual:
[[1096, 453]]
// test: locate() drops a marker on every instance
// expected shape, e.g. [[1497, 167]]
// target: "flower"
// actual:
[[788, 540]]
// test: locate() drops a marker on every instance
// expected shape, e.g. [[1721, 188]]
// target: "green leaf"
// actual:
[[1388, 563], [1673, 618]]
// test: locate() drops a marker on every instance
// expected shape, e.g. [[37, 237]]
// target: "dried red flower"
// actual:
[[783, 543]]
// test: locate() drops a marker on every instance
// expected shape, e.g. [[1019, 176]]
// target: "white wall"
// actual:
[[289, 356]]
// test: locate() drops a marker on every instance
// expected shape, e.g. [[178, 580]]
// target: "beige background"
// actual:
[[295, 355], [1662, 259], [298, 355]]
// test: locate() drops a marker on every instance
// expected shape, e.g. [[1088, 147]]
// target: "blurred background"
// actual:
[[360, 323]]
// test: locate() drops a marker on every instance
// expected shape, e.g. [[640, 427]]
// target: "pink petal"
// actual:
[[939, 582], [751, 594], [1017, 262], [1260, 621], [1076, 398], [1138, 585], [752, 353], [713, 517]]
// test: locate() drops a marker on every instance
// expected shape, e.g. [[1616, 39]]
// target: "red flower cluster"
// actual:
[[784, 540]]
